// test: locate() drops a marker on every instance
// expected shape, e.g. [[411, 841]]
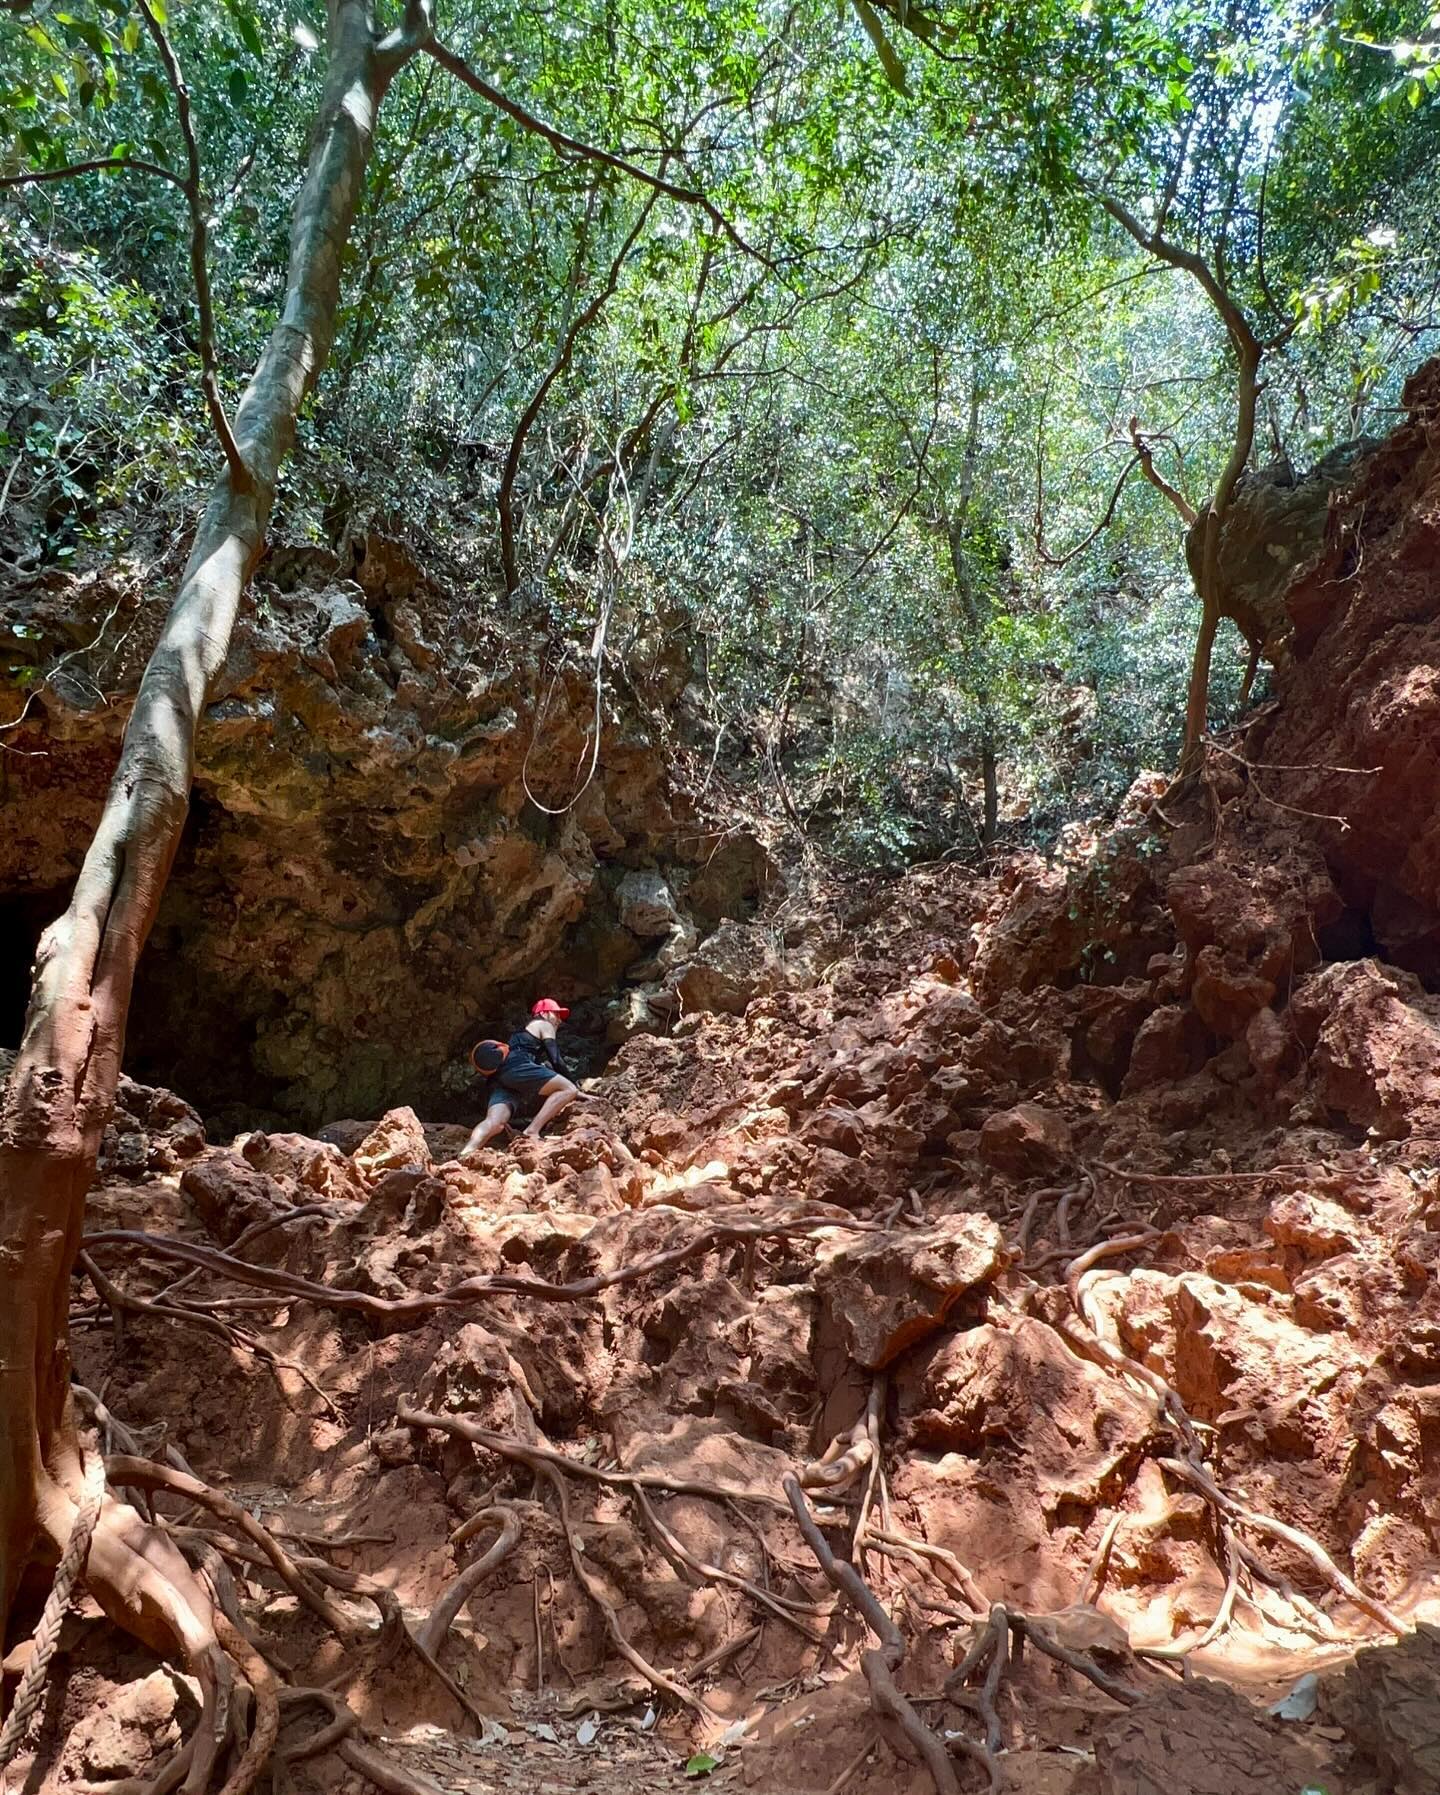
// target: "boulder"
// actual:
[[1374, 1040], [1388, 1701], [1170, 1044], [883, 1295], [1249, 927], [231, 1196], [986, 1390], [1203, 1738], [645, 905], [730, 969], [1027, 1141], [397, 1140]]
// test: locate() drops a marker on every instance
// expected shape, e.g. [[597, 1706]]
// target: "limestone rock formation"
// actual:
[[390, 848]]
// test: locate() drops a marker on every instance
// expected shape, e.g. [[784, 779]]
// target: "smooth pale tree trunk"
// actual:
[[61, 1089]]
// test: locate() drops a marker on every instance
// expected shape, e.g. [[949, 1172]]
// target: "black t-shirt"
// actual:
[[531, 1050]]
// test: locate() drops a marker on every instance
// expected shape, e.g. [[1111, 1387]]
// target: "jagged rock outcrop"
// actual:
[[392, 837], [1274, 529], [1354, 741]]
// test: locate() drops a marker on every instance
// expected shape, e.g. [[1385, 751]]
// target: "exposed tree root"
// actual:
[[551, 1465], [949, 1568], [541, 1458], [191, 1314], [31, 1690], [783, 1608], [146, 1475], [410, 1310], [879, 1665], [266, 1726], [430, 1636], [1189, 1466], [1241, 1516]]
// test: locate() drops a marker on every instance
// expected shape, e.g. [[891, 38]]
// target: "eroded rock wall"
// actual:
[[1354, 741], [393, 837]]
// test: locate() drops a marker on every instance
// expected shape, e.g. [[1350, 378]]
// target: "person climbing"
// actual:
[[532, 1067]]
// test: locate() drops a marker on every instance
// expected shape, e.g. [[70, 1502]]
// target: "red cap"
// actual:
[[547, 1006]]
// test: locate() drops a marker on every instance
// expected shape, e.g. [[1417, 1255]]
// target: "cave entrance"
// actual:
[[23, 918]]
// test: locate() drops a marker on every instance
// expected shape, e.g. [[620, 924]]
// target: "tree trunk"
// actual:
[[63, 1084], [954, 522], [988, 773], [1197, 701]]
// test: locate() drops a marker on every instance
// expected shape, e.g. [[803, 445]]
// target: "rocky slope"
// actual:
[[1114, 1303], [397, 825]]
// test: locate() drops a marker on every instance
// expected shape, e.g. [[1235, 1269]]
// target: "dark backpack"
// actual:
[[487, 1057]]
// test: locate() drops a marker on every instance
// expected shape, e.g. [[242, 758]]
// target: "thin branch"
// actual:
[[1234, 320], [99, 165], [1145, 455], [240, 477], [590, 152], [1069, 555]]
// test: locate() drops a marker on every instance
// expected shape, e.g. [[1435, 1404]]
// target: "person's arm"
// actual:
[[554, 1055]]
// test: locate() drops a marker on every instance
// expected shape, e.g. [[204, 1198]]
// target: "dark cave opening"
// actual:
[[24, 915]]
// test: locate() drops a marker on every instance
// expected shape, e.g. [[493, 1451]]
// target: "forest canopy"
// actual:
[[866, 368]]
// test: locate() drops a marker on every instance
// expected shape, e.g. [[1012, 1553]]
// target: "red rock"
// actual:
[[1249, 927], [883, 1295], [1374, 1037], [994, 1386], [1026, 1141], [1268, 1041], [1203, 1738], [1388, 1701], [396, 1140], [229, 1196], [837, 1129], [1227, 991], [1171, 1044], [1315, 1226]]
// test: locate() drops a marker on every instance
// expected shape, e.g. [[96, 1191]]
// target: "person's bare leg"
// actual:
[[559, 1094], [497, 1118]]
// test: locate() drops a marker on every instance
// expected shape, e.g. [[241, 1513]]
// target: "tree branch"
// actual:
[[1146, 458], [1234, 320], [590, 152], [199, 254], [412, 35], [1085, 541], [99, 165]]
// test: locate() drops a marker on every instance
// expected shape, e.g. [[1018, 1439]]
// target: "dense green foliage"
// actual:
[[827, 477]]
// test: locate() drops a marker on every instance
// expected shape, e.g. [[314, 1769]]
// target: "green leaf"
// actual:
[[62, 85], [157, 7], [130, 36], [250, 33], [236, 85], [702, 1764]]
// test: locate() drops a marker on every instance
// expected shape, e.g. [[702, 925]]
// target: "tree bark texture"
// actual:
[[60, 1092]]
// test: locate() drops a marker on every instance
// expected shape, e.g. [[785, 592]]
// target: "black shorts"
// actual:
[[518, 1086]]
